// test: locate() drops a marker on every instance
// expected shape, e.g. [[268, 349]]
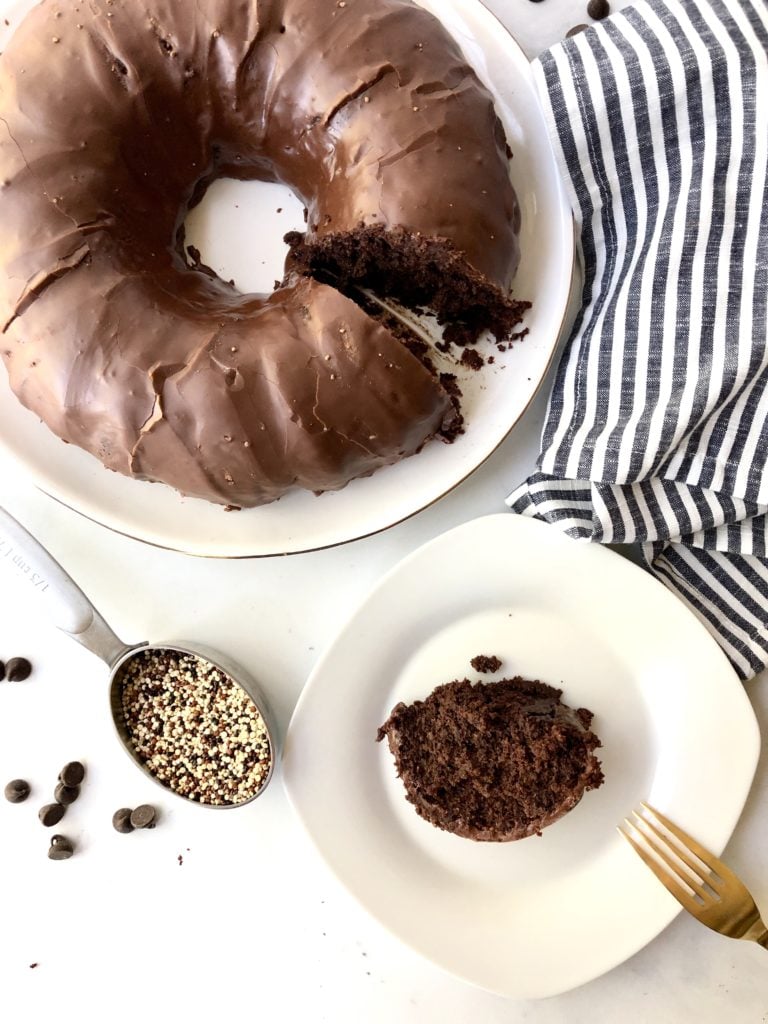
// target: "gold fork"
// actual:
[[696, 878]]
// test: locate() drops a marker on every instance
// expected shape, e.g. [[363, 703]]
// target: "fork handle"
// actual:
[[762, 940]]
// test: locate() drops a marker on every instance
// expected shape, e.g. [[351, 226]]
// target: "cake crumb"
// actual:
[[471, 358], [486, 663]]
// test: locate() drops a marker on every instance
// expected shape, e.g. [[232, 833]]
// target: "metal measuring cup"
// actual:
[[73, 614]]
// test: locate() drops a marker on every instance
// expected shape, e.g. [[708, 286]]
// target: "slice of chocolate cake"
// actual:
[[493, 761]]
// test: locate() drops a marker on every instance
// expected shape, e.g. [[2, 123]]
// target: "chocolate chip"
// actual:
[[66, 794], [575, 30], [17, 670], [598, 9], [143, 817], [17, 791], [72, 774], [61, 848], [121, 820], [51, 814]]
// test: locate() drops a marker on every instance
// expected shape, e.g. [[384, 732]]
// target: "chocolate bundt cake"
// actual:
[[493, 761], [116, 115]]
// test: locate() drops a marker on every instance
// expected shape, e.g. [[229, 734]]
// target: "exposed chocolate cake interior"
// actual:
[[415, 270], [496, 761]]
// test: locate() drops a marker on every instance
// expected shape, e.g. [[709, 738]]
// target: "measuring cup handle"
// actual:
[[68, 606]]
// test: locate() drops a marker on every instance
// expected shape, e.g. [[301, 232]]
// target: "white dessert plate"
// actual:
[[545, 914], [222, 228]]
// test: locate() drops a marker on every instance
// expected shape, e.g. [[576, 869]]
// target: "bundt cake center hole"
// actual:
[[237, 231]]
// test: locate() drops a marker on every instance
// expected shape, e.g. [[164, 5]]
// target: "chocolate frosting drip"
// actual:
[[115, 115]]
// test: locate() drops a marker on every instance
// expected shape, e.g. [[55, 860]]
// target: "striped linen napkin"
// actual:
[[657, 427]]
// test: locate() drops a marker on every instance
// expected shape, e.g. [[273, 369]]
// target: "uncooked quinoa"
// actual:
[[194, 729]]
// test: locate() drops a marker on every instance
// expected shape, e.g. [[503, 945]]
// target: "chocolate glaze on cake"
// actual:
[[493, 761], [115, 116]]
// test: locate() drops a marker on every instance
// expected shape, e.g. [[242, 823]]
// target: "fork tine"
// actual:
[[697, 879], [715, 865], [667, 878]]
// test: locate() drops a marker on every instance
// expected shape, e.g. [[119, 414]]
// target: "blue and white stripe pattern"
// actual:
[[657, 429]]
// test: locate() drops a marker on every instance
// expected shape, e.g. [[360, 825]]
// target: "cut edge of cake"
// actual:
[[417, 271]]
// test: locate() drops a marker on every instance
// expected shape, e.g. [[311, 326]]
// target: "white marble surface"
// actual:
[[251, 926]]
